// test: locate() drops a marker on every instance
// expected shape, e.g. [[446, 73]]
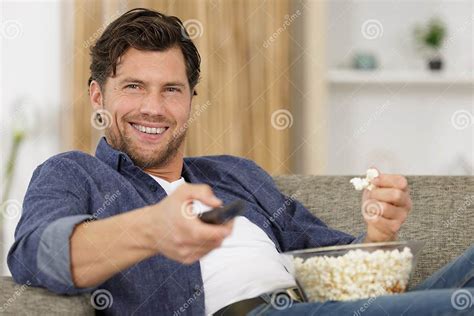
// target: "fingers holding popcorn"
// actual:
[[382, 229], [373, 209], [393, 196], [391, 181], [386, 203]]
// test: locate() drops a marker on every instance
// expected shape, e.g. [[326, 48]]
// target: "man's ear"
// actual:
[[95, 95]]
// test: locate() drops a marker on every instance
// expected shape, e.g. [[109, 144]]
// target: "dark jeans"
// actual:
[[450, 291]]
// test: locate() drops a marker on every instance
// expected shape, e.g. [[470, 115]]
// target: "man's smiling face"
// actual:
[[149, 100]]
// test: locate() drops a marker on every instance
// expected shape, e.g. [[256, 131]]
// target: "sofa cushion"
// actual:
[[25, 300]]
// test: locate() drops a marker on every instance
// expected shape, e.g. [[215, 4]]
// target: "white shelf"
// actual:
[[398, 77]]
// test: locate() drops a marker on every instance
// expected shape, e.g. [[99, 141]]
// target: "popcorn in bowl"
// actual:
[[354, 271]]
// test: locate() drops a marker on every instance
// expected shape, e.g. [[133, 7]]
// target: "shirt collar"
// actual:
[[114, 158], [187, 172], [110, 155]]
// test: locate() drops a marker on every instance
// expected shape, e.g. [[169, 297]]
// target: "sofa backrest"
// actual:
[[442, 214]]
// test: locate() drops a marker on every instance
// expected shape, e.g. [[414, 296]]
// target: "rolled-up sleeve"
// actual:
[[53, 256], [55, 202]]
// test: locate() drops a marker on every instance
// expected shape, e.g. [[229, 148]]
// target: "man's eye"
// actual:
[[172, 89], [132, 86]]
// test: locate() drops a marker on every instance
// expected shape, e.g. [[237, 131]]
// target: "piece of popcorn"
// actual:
[[372, 174], [361, 184]]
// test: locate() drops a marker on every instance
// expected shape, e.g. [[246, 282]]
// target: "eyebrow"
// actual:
[[175, 83], [130, 79]]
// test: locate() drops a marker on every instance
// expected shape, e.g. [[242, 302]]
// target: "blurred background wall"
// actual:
[[35, 67], [244, 79], [281, 84], [400, 117]]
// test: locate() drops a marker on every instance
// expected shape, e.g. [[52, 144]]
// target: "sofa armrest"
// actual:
[[18, 299]]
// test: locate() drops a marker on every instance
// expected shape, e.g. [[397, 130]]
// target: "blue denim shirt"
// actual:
[[72, 187]]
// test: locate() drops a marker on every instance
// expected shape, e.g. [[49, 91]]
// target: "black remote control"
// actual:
[[220, 215]]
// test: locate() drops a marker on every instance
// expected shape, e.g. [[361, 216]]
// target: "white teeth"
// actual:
[[149, 130]]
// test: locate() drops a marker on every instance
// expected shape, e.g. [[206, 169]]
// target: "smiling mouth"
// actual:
[[149, 130]]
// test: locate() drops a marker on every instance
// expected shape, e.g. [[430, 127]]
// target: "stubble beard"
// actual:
[[157, 158]]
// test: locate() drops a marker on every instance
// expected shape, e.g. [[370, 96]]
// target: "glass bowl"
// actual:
[[354, 271]]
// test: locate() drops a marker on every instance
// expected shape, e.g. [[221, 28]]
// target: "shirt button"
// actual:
[[197, 288], [153, 188]]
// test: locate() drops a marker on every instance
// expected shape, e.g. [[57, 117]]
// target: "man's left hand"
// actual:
[[386, 207]]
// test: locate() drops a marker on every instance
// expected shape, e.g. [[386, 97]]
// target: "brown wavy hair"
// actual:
[[142, 29]]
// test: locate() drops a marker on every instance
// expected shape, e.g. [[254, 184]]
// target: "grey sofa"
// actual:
[[442, 216]]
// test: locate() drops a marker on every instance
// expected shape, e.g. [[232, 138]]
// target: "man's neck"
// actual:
[[171, 172]]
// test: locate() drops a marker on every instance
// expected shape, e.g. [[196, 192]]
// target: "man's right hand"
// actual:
[[102, 248], [175, 232]]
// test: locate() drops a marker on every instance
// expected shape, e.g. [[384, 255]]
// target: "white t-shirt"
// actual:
[[246, 265], [169, 187]]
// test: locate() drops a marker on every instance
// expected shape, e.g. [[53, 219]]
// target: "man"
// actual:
[[118, 221]]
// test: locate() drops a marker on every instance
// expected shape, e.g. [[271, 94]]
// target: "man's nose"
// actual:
[[153, 104]]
